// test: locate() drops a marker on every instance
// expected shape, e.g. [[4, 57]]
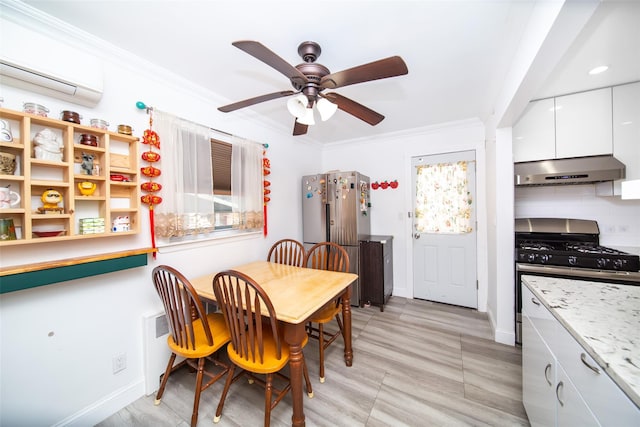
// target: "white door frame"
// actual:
[[477, 144]]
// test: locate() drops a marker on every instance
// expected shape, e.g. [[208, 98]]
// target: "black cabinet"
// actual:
[[376, 270]]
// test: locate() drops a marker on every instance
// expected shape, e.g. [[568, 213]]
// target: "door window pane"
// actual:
[[443, 199]]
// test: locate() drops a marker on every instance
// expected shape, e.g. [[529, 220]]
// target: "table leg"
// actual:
[[346, 317], [293, 335]]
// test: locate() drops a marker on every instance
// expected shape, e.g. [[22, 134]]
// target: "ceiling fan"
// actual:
[[310, 79]]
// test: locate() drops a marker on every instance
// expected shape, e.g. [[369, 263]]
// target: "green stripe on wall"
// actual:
[[33, 279]]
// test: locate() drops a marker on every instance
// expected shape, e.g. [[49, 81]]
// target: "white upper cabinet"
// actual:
[[626, 127], [584, 124], [575, 125], [534, 135]]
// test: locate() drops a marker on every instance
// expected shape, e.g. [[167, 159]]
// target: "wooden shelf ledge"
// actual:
[[15, 278]]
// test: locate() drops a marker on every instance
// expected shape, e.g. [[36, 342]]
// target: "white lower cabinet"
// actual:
[[562, 385], [538, 377], [570, 407]]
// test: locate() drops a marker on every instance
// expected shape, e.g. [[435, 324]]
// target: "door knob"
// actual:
[[416, 236]]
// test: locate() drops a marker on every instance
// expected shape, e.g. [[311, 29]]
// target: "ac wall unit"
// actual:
[[61, 84]]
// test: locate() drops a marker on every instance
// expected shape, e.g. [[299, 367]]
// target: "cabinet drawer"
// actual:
[[541, 318], [607, 401]]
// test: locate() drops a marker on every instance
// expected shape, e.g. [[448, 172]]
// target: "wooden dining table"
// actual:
[[296, 294]]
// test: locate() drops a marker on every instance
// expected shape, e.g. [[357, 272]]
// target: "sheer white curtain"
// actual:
[[247, 184], [187, 180]]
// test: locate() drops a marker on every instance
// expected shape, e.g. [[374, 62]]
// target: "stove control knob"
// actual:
[[544, 258], [602, 262], [618, 264], [573, 260], [531, 257]]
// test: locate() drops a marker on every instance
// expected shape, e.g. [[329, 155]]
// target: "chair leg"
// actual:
[[196, 399], [305, 372], [227, 384], [165, 377], [267, 400], [321, 345]]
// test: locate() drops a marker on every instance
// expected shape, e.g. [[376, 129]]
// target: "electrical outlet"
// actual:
[[119, 363]]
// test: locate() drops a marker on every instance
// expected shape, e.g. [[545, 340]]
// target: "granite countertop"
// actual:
[[604, 318]]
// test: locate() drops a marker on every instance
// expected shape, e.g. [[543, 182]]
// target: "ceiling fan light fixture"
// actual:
[[326, 108], [297, 105], [307, 117]]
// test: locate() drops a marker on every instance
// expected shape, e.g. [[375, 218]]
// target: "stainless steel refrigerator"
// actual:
[[336, 208]]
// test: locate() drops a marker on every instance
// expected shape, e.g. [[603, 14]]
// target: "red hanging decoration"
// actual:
[[266, 166], [152, 139]]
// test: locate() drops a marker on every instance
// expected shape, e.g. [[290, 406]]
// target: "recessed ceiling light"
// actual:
[[598, 70]]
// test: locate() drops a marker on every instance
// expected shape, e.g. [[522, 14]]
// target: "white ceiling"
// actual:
[[457, 52]]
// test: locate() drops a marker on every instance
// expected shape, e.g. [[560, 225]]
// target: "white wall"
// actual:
[[389, 158], [57, 342]]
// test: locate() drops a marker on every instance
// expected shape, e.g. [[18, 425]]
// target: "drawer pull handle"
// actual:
[[535, 302], [546, 373], [560, 384], [583, 358]]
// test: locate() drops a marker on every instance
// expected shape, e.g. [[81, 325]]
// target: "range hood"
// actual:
[[577, 170]]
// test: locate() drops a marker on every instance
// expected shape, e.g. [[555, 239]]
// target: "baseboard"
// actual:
[[500, 336], [104, 408]]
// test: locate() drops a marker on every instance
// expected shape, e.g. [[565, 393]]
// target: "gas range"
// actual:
[[576, 254], [568, 243], [569, 249]]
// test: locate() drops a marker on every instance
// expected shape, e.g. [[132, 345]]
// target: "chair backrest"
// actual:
[[327, 256], [182, 306], [249, 314], [287, 251]]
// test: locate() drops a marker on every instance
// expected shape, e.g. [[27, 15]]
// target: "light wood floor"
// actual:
[[415, 364]]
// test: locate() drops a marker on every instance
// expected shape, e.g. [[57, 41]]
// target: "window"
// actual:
[[208, 184]]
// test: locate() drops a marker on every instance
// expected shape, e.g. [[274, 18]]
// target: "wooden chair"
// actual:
[[333, 257], [287, 251], [257, 345], [194, 335]]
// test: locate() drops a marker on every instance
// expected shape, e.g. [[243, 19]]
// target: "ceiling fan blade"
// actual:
[[299, 128], [253, 101], [382, 69], [261, 52], [358, 110]]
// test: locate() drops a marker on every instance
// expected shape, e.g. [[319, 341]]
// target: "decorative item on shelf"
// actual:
[[9, 199], [91, 225], [48, 145], [87, 164], [5, 131], [49, 233], [88, 139], [125, 129], [99, 124], [266, 168], [87, 188], [51, 198], [7, 163], [119, 177], [33, 108], [70, 116], [375, 185], [7, 229], [120, 224], [152, 139]]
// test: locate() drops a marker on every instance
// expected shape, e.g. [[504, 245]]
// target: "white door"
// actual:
[[444, 228]]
